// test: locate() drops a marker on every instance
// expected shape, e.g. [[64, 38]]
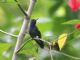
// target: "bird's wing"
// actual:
[[37, 32]]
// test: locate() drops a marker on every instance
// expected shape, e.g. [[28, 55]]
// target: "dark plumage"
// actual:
[[34, 32]]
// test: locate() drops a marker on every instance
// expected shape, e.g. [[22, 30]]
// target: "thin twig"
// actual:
[[50, 52], [8, 33], [21, 9], [49, 43], [23, 45], [67, 55]]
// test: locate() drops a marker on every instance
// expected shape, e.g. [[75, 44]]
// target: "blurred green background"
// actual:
[[52, 14]]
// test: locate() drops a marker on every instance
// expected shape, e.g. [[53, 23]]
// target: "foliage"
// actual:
[[72, 22], [55, 18]]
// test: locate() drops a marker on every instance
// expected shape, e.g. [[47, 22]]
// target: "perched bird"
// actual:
[[35, 33]]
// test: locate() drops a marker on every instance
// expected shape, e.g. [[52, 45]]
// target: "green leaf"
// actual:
[[72, 22], [30, 48], [4, 47]]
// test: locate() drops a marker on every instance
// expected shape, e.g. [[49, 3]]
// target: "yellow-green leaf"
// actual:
[[72, 22], [62, 40]]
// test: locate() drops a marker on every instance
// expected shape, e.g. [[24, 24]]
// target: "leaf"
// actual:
[[72, 22], [62, 40], [30, 48], [4, 47]]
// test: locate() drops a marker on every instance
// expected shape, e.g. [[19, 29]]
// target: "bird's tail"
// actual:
[[40, 43]]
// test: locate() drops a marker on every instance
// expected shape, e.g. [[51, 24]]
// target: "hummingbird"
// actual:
[[35, 33]]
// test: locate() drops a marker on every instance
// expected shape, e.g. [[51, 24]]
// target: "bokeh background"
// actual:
[[51, 15]]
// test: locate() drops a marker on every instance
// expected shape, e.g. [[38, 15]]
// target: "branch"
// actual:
[[23, 45], [67, 55], [21, 8], [49, 43], [50, 53], [23, 29], [8, 33]]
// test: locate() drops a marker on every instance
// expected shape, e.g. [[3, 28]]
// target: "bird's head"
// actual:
[[33, 22]]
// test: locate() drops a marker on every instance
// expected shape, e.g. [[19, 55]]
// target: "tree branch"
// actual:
[[8, 33], [23, 29]]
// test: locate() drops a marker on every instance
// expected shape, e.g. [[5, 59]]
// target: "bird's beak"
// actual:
[[37, 19]]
